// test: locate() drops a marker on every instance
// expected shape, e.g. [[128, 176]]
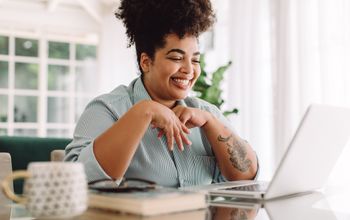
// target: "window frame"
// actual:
[[43, 93]]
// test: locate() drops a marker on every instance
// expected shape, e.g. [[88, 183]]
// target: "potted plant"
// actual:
[[208, 88]]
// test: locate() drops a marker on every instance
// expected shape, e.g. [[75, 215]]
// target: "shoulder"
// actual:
[[117, 95], [117, 101]]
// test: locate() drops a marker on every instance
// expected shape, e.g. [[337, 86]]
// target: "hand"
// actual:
[[170, 125], [191, 117]]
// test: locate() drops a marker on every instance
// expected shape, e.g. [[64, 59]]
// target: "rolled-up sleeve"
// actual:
[[96, 119]]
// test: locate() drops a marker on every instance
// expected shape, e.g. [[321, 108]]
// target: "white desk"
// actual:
[[331, 205]]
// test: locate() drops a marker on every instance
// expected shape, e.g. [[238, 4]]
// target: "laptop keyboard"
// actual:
[[250, 188]]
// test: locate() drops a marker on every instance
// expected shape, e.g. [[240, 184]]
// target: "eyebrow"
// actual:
[[181, 52]]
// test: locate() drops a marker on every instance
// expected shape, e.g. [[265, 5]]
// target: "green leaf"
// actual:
[[207, 86], [233, 111], [218, 75]]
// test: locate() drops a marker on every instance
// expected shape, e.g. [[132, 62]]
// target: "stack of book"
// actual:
[[153, 202]]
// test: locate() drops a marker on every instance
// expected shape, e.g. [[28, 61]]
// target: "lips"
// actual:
[[181, 82]]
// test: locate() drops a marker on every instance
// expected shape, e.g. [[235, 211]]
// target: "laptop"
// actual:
[[308, 161]]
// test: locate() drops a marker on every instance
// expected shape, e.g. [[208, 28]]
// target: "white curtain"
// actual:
[[287, 54]]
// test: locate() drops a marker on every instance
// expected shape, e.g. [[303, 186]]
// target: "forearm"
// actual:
[[236, 159], [115, 147]]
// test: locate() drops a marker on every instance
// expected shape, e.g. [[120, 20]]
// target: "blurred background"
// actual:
[[56, 55]]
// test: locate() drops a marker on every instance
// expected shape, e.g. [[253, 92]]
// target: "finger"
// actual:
[[185, 129], [190, 125], [185, 139], [160, 134], [178, 139], [181, 115], [177, 108], [177, 111], [185, 117], [169, 136]]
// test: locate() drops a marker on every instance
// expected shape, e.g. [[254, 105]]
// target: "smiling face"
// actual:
[[173, 71]]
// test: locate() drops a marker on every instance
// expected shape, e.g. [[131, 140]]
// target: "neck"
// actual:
[[168, 103]]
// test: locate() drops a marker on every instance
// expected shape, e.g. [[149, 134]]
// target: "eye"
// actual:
[[196, 61], [175, 58]]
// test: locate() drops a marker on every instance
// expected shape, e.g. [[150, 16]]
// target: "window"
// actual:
[[45, 84]]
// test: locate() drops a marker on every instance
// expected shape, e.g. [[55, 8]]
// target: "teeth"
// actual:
[[182, 81]]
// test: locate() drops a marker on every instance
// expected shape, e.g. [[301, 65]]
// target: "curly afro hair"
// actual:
[[148, 22]]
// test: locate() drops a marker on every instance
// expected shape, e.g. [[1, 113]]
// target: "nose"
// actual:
[[187, 67]]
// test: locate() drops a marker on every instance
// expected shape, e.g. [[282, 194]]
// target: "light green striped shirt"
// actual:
[[152, 161]]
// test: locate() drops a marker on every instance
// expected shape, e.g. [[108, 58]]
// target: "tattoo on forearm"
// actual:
[[237, 152], [222, 139]]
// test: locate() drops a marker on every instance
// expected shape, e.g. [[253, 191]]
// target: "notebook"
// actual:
[[308, 161], [158, 201]]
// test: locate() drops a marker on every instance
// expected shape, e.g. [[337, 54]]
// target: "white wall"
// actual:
[[117, 62]]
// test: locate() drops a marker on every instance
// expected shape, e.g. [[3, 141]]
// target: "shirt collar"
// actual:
[[139, 91]]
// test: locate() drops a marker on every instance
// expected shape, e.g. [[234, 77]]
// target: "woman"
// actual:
[[152, 129]]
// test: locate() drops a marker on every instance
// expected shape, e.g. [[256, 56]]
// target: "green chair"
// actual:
[[24, 150]]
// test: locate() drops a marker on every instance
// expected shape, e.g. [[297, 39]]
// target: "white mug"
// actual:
[[51, 189]]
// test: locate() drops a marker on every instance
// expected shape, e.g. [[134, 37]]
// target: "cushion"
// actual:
[[24, 150]]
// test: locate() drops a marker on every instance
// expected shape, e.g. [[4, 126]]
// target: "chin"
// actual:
[[179, 94], [179, 97]]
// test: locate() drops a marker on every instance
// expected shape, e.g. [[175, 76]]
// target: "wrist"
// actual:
[[209, 119], [147, 108]]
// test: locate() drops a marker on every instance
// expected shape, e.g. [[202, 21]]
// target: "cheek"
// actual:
[[168, 71], [197, 72]]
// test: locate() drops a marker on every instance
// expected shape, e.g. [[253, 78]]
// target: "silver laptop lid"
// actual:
[[313, 152]]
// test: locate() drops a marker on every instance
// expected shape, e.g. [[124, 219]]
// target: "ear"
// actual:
[[145, 62]]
